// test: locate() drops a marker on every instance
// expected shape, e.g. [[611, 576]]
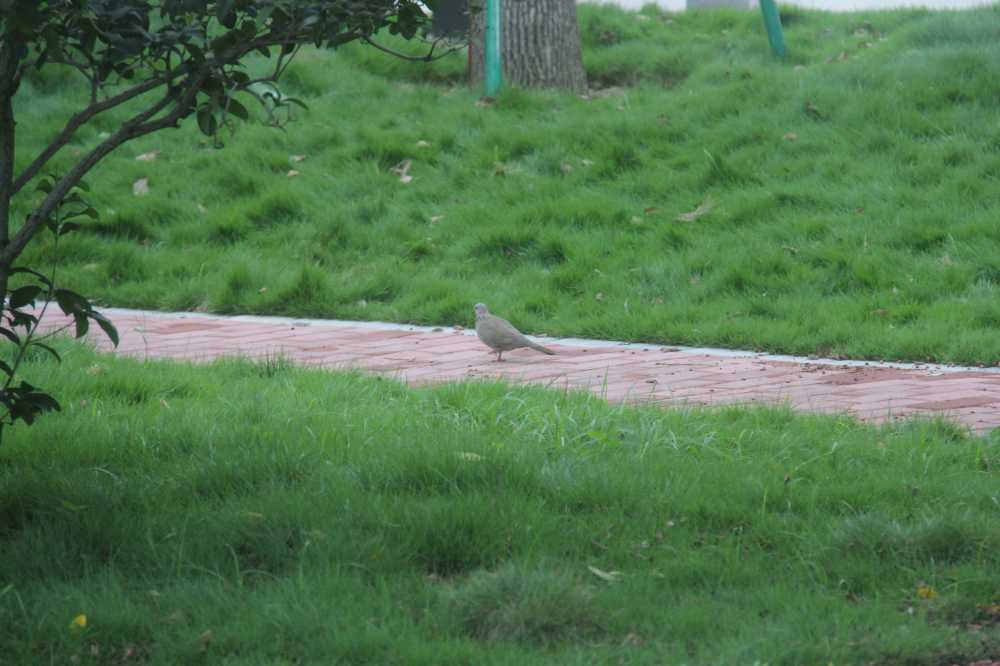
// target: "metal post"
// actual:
[[772, 21], [494, 62]]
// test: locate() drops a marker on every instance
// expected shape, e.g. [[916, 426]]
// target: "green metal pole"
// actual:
[[494, 63], [772, 21]]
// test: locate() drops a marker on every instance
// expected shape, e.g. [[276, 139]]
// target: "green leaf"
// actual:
[[71, 303], [295, 101], [196, 53], [44, 185], [67, 227], [106, 326], [21, 269], [238, 109], [24, 295], [82, 324], [9, 371], [206, 120], [10, 335], [224, 12]]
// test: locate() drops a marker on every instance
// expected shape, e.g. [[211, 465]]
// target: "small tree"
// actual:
[[159, 61]]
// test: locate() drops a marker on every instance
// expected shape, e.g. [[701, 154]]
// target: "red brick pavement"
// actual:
[[635, 373]]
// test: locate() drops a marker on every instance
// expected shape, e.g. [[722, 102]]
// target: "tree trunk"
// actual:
[[8, 86], [540, 44]]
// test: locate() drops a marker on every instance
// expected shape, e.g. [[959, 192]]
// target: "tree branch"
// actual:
[[75, 123], [8, 68], [427, 57], [139, 125]]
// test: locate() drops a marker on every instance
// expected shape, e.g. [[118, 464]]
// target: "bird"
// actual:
[[500, 335]]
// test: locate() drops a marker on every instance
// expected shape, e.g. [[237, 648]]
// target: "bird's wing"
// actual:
[[504, 334]]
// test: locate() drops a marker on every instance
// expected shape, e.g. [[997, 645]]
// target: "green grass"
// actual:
[[254, 513], [873, 234]]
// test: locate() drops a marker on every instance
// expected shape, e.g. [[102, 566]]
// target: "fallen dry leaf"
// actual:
[[468, 455], [790, 136], [296, 158], [148, 157], [566, 168], [925, 591], [403, 171], [423, 144], [650, 210], [813, 110], [292, 173], [140, 188], [587, 163], [609, 576], [599, 296], [434, 219], [704, 209], [484, 102]]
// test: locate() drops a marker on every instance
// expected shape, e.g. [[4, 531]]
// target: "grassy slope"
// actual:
[[251, 514], [874, 234]]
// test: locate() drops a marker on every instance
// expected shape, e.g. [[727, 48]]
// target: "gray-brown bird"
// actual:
[[500, 335]]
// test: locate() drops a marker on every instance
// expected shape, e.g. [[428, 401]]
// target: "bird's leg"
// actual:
[[499, 354]]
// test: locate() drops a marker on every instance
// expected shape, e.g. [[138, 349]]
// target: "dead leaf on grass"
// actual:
[[791, 136], [297, 158], [485, 102], [140, 188], [609, 576], [148, 157], [403, 171], [704, 209], [292, 173], [813, 111]]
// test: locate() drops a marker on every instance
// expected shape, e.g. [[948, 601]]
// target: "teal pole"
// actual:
[[772, 21], [494, 63]]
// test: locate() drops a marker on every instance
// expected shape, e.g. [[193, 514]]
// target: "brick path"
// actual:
[[669, 376]]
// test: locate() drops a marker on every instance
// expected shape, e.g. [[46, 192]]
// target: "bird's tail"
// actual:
[[544, 350]]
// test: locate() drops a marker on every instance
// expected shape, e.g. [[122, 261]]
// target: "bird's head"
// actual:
[[481, 310]]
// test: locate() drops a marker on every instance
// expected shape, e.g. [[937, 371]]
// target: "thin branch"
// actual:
[[54, 332], [76, 122], [427, 57]]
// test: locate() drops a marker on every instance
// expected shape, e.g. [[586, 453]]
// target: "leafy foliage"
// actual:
[[160, 61]]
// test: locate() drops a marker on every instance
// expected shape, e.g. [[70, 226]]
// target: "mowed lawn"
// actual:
[[254, 513], [843, 202]]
